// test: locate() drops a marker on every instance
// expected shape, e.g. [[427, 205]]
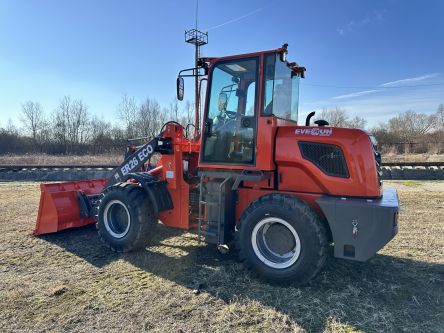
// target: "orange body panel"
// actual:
[[300, 175], [173, 172]]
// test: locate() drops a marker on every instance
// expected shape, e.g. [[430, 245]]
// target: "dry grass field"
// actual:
[[413, 158], [43, 159], [114, 159], [70, 282]]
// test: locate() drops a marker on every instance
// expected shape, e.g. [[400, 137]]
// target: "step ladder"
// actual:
[[215, 210]]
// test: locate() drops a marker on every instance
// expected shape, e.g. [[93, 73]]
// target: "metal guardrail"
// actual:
[[18, 167], [413, 164], [43, 173]]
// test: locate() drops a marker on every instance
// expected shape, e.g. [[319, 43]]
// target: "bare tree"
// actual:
[[338, 117], [127, 112], [45, 134], [410, 125], [79, 123], [33, 120], [150, 118], [384, 135], [60, 124], [440, 117], [11, 128], [70, 123], [356, 122], [99, 129], [188, 113], [188, 118], [174, 113]]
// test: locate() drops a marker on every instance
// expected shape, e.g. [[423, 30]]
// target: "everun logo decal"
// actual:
[[314, 131]]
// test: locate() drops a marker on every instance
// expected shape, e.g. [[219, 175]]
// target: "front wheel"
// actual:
[[282, 239], [125, 220]]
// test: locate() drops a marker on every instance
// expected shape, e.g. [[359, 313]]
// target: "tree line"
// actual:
[[408, 132], [72, 129]]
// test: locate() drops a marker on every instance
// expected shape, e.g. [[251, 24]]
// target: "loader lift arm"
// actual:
[[136, 160], [128, 169]]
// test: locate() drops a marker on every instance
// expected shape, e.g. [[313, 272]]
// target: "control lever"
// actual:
[[208, 127]]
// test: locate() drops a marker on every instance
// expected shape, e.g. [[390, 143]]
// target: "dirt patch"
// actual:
[[70, 282], [416, 185]]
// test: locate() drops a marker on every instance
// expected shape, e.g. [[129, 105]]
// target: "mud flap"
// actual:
[[60, 207]]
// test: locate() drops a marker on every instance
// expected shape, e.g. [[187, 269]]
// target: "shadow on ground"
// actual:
[[385, 294]]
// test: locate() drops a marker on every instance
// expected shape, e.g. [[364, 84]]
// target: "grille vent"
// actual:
[[329, 158]]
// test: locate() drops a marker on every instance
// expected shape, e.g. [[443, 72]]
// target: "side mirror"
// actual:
[[284, 53], [223, 101], [180, 88]]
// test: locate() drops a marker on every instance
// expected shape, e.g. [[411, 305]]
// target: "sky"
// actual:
[[374, 58]]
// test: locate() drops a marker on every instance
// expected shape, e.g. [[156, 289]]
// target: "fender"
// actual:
[[156, 189]]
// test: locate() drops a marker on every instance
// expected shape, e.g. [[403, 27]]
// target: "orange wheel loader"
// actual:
[[250, 176]]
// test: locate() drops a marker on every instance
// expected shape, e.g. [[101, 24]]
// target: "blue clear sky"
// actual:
[[361, 55]]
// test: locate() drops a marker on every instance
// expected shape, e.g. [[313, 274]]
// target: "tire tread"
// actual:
[[139, 203], [293, 204]]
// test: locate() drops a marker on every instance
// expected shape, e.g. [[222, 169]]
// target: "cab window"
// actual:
[[281, 86]]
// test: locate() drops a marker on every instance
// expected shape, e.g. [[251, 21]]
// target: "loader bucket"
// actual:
[[59, 205]]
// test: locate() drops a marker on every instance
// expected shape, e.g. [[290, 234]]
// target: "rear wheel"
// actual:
[[125, 218], [282, 239]]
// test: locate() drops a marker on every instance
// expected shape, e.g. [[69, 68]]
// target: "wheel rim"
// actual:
[[116, 219], [276, 242]]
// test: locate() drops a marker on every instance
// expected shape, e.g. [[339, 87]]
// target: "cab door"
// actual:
[[230, 123]]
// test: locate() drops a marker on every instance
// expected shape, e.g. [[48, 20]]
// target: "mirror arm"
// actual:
[[194, 69]]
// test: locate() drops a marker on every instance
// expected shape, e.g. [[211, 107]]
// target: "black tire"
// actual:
[[303, 264], [125, 220]]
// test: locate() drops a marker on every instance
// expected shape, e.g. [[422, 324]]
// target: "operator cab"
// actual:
[[234, 104], [229, 133]]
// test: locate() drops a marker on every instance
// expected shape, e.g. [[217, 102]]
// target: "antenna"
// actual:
[[198, 39], [197, 12]]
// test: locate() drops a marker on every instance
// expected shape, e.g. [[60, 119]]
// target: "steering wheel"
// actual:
[[231, 114]]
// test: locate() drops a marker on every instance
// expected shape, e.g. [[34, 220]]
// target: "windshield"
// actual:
[[281, 96]]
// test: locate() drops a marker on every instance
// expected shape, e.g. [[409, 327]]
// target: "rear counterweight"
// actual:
[[361, 227]]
